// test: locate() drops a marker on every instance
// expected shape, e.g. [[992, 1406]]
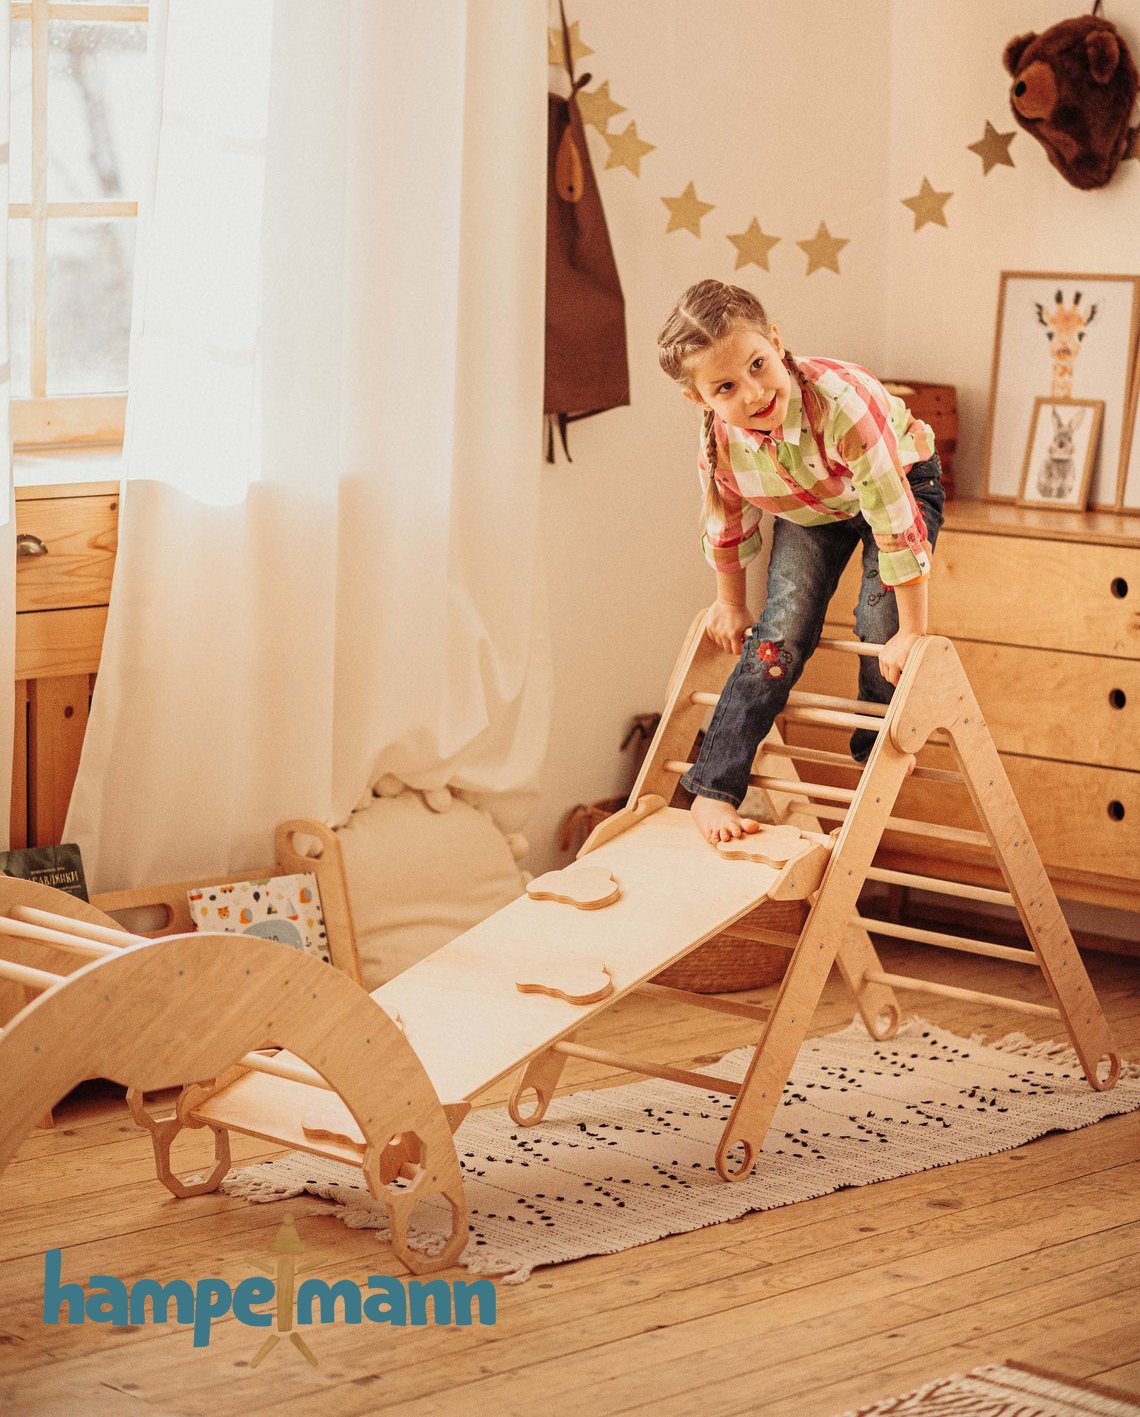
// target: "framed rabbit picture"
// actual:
[[1059, 456]]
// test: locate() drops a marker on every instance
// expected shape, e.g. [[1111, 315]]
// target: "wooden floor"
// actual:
[[1031, 1255]]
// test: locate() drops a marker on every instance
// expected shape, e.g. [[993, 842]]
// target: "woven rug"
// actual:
[[620, 1166], [1004, 1390]]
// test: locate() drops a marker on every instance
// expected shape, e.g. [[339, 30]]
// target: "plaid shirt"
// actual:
[[869, 437]]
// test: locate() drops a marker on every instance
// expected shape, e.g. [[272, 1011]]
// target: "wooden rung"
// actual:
[[947, 942], [755, 935], [102, 933], [797, 787], [958, 835], [852, 647], [77, 944], [801, 787], [841, 760], [938, 886], [25, 974], [706, 1001], [639, 1065], [833, 719], [805, 700], [285, 1068], [812, 755], [949, 991]]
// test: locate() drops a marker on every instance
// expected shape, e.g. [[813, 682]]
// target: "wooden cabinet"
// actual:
[[1044, 608], [66, 539]]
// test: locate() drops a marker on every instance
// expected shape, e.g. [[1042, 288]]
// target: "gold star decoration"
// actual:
[[627, 149], [686, 211], [556, 49], [993, 148], [927, 206], [752, 246], [597, 107], [823, 250]]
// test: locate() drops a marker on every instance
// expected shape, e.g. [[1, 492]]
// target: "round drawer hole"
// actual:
[[1117, 698], [1119, 587], [1116, 810]]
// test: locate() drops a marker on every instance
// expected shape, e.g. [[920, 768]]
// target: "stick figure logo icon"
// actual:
[[286, 1245]]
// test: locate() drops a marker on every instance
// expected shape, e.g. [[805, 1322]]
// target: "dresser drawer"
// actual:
[[51, 643], [1081, 818], [1039, 703], [1021, 591], [80, 536]]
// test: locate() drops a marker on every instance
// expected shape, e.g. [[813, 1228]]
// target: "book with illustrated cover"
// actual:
[[282, 908], [58, 866]]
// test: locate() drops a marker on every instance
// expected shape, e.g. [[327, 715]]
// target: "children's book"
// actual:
[[58, 866], [282, 908]]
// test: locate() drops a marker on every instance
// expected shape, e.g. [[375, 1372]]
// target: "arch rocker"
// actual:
[[201, 1007], [382, 1081]]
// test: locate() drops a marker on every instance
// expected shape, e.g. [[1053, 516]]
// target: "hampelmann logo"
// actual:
[[389, 1301]]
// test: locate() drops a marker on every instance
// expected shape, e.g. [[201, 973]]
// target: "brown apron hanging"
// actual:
[[587, 369]]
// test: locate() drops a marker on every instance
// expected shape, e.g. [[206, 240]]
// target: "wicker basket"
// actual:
[[727, 962]]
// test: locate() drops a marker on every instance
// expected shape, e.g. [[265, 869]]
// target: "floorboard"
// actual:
[[805, 1311]]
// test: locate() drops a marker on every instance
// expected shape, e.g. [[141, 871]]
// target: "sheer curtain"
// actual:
[[327, 557], [7, 499]]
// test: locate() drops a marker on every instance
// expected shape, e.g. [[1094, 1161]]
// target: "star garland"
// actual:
[[753, 246]]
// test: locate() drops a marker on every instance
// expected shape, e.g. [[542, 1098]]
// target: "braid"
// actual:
[[712, 508], [710, 441]]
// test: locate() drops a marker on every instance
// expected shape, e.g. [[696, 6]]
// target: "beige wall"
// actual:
[[836, 120], [942, 285], [727, 112]]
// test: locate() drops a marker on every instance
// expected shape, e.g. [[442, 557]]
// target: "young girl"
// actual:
[[841, 463]]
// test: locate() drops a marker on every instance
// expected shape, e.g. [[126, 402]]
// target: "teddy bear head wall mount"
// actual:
[[1073, 90]]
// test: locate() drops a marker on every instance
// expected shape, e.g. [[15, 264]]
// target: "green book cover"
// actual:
[[58, 866]]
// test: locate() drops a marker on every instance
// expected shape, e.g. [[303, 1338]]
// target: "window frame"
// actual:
[[40, 420]]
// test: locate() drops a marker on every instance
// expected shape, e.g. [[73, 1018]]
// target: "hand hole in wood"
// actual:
[[1116, 810], [586, 887], [585, 980], [1117, 698], [1119, 587]]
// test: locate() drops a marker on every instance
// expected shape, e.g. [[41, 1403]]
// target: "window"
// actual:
[[80, 125]]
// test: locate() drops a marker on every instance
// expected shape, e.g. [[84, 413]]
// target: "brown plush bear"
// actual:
[[1073, 90]]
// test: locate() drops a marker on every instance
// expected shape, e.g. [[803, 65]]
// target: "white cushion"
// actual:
[[418, 876]]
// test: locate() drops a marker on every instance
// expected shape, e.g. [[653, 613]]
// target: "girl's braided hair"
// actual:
[[704, 315]]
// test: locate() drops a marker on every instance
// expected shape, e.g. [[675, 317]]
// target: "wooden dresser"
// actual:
[[1044, 608], [65, 557]]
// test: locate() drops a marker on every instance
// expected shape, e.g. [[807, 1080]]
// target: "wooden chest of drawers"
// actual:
[[66, 539], [1044, 608]]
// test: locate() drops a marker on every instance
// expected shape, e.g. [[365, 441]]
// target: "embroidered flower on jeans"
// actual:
[[768, 658]]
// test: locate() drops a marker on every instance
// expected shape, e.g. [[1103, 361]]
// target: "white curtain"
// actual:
[[7, 498], [327, 556]]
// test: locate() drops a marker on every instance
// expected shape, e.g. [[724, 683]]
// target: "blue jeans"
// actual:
[[804, 570]]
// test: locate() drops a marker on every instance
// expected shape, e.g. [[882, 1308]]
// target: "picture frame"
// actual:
[[1059, 453], [1060, 336], [1128, 490]]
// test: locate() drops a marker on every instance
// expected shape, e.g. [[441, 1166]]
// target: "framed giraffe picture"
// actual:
[[1061, 336]]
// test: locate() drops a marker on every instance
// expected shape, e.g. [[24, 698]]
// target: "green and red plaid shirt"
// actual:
[[869, 440]]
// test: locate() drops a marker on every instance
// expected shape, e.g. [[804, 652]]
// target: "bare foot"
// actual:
[[718, 821]]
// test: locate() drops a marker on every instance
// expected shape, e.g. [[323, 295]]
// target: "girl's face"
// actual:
[[743, 378]]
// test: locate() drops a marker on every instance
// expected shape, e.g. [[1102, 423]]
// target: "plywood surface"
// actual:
[[464, 1017]]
